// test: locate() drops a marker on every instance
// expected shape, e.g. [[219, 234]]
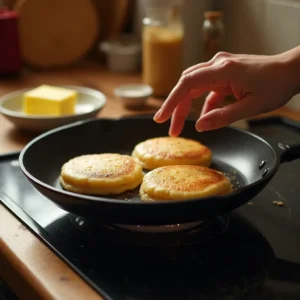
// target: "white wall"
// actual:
[[262, 26], [193, 17]]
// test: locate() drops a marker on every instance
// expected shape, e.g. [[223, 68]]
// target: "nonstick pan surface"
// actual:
[[249, 162]]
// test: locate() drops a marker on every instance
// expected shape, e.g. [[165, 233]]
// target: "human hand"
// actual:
[[259, 83]]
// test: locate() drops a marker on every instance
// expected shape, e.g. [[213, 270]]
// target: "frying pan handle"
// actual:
[[289, 152]]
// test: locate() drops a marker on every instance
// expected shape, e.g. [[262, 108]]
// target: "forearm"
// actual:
[[291, 61]]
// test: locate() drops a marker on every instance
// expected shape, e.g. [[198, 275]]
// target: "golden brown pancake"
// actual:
[[101, 174], [181, 182], [164, 151]]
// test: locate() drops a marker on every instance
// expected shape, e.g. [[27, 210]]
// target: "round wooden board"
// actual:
[[56, 33], [114, 14]]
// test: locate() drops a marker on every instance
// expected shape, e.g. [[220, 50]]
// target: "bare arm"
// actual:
[[260, 83]]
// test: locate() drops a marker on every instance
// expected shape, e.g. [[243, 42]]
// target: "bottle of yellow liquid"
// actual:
[[162, 61]]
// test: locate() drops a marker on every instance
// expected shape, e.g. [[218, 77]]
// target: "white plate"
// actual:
[[89, 104]]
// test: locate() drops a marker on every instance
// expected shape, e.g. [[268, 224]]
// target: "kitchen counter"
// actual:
[[29, 267]]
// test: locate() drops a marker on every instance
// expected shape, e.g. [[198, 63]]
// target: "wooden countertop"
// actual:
[[31, 269], [88, 75]]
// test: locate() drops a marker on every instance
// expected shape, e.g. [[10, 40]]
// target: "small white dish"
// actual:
[[89, 104], [133, 96]]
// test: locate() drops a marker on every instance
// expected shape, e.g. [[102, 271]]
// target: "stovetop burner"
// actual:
[[161, 228], [159, 236], [236, 261], [253, 254]]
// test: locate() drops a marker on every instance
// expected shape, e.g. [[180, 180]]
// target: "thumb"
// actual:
[[224, 116]]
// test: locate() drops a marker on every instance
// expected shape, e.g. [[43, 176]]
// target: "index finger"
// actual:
[[203, 79]]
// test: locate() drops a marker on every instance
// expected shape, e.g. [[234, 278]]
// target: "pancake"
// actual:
[[165, 151], [101, 174], [181, 182]]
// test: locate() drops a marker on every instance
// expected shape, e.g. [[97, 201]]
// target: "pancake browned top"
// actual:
[[172, 148], [183, 178], [101, 174], [98, 166], [184, 182]]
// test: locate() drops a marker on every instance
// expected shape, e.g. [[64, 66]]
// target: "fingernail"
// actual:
[[172, 134], [203, 125], [157, 115]]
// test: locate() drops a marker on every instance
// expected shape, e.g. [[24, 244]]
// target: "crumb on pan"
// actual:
[[278, 203]]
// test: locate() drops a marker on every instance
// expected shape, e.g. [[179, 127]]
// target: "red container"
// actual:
[[10, 58]]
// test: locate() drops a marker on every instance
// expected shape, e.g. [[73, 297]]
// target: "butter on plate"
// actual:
[[50, 100]]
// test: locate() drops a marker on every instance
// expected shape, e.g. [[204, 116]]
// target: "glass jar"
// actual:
[[162, 60], [213, 31]]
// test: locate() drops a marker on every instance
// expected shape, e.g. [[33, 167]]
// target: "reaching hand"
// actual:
[[259, 83]]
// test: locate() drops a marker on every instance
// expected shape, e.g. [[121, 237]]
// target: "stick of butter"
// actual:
[[49, 100]]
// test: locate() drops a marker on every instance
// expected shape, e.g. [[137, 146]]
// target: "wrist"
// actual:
[[291, 63]]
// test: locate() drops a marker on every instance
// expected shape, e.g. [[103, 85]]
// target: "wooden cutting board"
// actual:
[[113, 14], [9, 3], [56, 33]]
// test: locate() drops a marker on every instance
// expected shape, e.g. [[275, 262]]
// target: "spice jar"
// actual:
[[213, 31], [163, 32]]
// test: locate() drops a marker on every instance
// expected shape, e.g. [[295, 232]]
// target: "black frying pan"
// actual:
[[246, 158]]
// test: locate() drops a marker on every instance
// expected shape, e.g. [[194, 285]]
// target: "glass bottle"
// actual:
[[163, 32], [213, 32]]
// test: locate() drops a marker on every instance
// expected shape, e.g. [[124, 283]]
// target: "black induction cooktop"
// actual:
[[253, 253]]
